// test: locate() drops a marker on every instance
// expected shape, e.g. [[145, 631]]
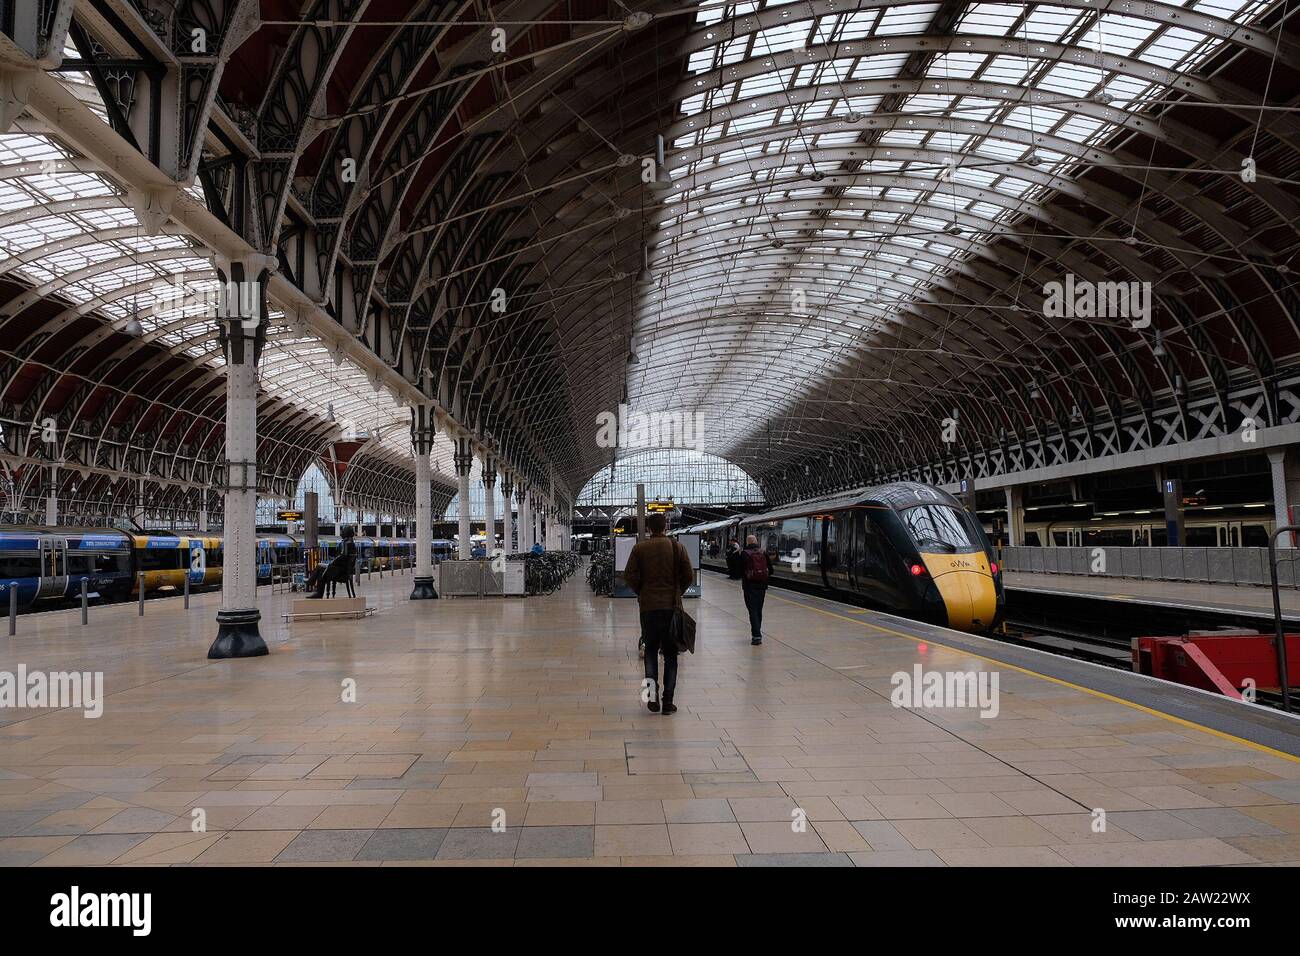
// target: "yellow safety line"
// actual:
[[1055, 680]]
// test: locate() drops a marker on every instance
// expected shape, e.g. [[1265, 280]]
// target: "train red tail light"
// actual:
[[917, 570], [993, 567]]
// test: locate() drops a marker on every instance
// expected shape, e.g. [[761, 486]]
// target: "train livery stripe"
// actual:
[[969, 595], [1055, 680]]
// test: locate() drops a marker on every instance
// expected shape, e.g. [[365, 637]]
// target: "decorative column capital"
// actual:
[[507, 484], [521, 492], [489, 472], [464, 456], [423, 428], [242, 315]]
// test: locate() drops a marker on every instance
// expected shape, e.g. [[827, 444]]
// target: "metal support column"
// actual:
[[241, 328], [1285, 471], [464, 459], [507, 524], [521, 499], [1015, 517], [489, 504], [423, 429]]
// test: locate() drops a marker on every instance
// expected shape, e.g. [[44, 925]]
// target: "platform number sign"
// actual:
[[198, 563]]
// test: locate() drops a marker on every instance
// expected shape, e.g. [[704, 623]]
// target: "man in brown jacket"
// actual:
[[659, 571]]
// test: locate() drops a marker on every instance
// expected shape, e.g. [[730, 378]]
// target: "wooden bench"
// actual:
[[319, 609]]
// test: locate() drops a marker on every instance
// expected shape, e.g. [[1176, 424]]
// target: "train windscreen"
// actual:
[[938, 528]]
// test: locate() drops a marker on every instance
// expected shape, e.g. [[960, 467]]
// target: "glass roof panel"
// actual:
[[800, 222]]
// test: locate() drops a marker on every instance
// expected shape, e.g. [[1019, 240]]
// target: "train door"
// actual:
[[54, 568], [1229, 534], [198, 562]]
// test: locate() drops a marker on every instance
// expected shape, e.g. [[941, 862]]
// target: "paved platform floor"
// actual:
[[1243, 599], [526, 713]]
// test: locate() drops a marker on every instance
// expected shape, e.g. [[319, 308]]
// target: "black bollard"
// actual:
[[85, 602], [141, 594]]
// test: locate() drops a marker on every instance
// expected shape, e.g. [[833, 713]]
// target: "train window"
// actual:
[[1202, 537], [831, 553], [1254, 536], [160, 559], [19, 564], [877, 559], [937, 526], [1031, 539]]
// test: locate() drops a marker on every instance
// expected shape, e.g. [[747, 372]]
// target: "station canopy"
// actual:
[[841, 272]]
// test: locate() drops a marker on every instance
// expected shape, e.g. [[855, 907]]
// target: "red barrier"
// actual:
[[1223, 663]]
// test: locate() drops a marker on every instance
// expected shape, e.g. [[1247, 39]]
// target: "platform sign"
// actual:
[[289, 515], [691, 542], [622, 551]]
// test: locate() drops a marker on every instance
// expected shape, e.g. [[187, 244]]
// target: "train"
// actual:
[[44, 565], [906, 548], [1228, 526]]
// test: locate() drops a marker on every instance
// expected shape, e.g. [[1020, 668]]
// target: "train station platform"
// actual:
[[1241, 600], [525, 713]]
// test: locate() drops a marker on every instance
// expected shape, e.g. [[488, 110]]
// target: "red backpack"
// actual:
[[756, 570]]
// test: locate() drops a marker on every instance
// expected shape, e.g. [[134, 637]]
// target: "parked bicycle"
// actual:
[[600, 576], [546, 573]]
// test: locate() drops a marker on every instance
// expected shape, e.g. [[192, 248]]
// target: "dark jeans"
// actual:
[[654, 631], [754, 595]]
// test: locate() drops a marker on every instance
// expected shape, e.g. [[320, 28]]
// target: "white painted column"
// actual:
[[521, 499], [1016, 517], [507, 525], [52, 498], [464, 459], [489, 504], [534, 519], [241, 321], [203, 513], [1285, 472], [422, 434]]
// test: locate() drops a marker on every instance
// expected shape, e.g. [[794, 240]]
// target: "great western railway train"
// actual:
[[907, 548], [47, 565]]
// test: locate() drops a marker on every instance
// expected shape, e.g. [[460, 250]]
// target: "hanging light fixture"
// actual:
[[662, 180], [1159, 348], [645, 277]]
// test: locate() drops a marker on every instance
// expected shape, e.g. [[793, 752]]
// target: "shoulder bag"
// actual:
[[682, 627]]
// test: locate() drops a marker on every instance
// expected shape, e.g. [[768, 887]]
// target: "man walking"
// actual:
[[659, 571], [757, 570]]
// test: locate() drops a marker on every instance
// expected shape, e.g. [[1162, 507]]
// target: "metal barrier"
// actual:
[[1247, 566], [284, 577]]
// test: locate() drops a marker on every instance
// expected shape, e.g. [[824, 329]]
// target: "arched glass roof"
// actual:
[[67, 230], [834, 161], [687, 477]]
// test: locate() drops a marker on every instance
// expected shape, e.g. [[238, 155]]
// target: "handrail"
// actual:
[[1283, 676]]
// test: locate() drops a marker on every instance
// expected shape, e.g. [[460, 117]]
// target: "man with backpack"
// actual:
[[757, 570], [659, 571]]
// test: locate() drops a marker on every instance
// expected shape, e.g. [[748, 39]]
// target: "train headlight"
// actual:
[[917, 570], [993, 567]]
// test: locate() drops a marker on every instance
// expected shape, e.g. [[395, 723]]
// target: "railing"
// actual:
[[1246, 566]]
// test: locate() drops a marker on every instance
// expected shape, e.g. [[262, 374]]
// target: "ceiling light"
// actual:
[[662, 179]]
